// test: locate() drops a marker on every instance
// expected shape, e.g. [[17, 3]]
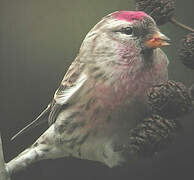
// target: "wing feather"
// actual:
[[39, 120], [73, 80], [70, 85]]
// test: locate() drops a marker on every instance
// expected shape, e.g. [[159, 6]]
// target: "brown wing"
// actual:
[[72, 81], [69, 82]]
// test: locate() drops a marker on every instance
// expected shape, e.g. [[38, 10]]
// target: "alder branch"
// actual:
[[3, 173], [181, 25]]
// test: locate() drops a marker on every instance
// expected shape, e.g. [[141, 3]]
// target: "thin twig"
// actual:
[[3, 173], [181, 25]]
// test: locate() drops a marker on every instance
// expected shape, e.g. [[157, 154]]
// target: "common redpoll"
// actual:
[[103, 94]]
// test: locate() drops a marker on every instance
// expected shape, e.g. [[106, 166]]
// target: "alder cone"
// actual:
[[152, 135], [187, 51], [160, 10], [170, 100]]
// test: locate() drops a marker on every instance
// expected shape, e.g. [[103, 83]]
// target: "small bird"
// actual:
[[103, 94]]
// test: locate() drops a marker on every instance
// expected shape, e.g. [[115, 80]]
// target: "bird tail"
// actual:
[[39, 120]]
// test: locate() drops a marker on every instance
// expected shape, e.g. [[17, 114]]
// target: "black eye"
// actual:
[[127, 30]]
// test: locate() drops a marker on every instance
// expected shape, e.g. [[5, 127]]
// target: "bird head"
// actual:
[[123, 36]]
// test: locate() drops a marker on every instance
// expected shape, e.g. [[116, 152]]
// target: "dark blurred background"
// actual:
[[38, 41]]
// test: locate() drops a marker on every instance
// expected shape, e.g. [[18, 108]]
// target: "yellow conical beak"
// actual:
[[158, 40]]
